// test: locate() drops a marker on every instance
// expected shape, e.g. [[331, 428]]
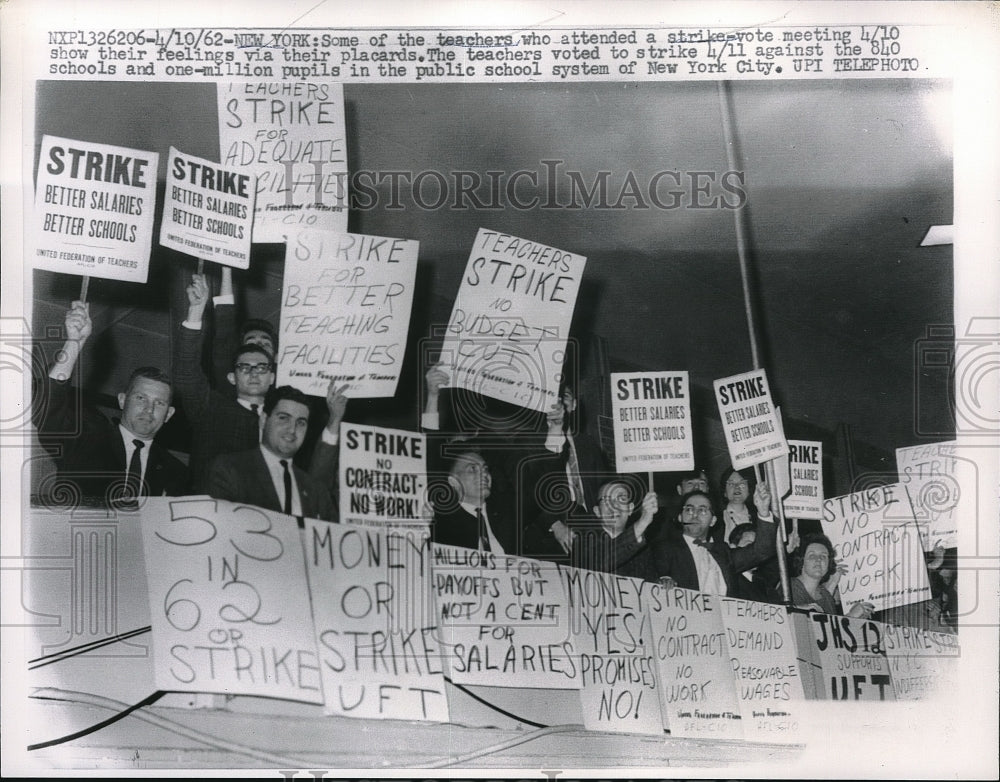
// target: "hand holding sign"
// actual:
[[762, 499], [78, 323], [336, 405], [197, 295], [436, 379]]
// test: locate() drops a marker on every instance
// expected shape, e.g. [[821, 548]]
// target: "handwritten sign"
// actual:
[[94, 207], [923, 663], [345, 311], [507, 334], [753, 432], [208, 210], [874, 534], [502, 620], [652, 418], [376, 636], [806, 468], [383, 474], [291, 136], [611, 638], [762, 657], [940, 484], [227, 592], [697, 688], [852, 656]]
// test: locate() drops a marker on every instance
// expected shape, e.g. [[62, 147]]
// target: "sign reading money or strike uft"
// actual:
[[806, 468], [507, 334], [753, 432], [208, 210], [94, 206], [652, 418]]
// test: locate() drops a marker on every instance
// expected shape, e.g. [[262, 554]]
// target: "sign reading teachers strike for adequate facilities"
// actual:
[[652, 418], [94, 206], [753, 431], [507, 335], [208, 210]]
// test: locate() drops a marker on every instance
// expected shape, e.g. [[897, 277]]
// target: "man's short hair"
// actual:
[[149, 373], [690, 475], [275, 395], [257, 324], [250, 347], [739, 531], [698, 493]]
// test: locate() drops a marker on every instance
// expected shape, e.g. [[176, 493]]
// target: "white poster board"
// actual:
[[923, 663], [749, 419], [942, 487], [652, 418], [852, 657], [805, 462]]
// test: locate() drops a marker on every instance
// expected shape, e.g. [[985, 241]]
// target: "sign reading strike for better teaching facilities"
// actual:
[[875, 536], [291, 136], [939, 483], [208, 210], [697, 689], [806, 469], [374, 624], [94, 207], [853, 658], [507, 334], [345, 312], [652, 418], [220, 575], [753, 432]]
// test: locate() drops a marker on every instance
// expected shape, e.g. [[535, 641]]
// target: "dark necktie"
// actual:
[[255, 409], [484, 540], [573, 464], [288, 487], [702, 542], [133, 479]]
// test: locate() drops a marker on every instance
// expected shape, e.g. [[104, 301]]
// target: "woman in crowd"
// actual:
[[737, 488], [816, 575]]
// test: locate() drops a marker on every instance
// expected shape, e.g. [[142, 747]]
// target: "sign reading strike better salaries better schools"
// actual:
[[208, 210], [806, 468], [291, 136], [652, 418], [94, 207], [220, 576], [753, 432], [507, 334], [345, 312], [383, 474]]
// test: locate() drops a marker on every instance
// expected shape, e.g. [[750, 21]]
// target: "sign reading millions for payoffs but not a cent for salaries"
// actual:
[[208, 210], [753, 432], [94, 207], [652, 418]]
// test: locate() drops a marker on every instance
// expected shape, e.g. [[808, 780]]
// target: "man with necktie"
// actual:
[[465, 516]]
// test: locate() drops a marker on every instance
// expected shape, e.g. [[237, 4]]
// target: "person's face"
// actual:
[[569, 400], [698, 483], [252, 375], [696, 516], [746, 539], [145, 407], [815, 560], [470, 476], [285, 428], [737, 488], [260, 338], [613, 506]]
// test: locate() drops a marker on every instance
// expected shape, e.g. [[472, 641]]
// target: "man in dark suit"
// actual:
[[605, 541], [106, 461], [266, 476]]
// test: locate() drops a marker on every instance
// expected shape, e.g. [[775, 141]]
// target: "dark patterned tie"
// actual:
[[288, 487], [576, 481], [133, 479]]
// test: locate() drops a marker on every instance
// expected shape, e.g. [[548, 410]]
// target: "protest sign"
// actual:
[[697, 688], [345, 311], [939, 483], [383, 474], [220, 577], [502, 620], [652, 418], [291, 136], [806, 469], [923, 663], [749, 421], [852, 656], [94, 207], [763, 662], [507, 334], [875, 536], [375, 630], [208, 210], [611, 639]]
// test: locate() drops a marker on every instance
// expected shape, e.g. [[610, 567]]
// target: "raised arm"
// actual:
[[192, 386]]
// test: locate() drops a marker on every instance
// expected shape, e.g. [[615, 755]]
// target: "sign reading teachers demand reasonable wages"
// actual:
[[507, 334], [652, 417], [502, 620], [377, 642], [208, 210], [227, 591], [875, 536], [612, 641], [291, 136], [383, 473], [852, 656], [697, 688], [94, 206], [762, 660], [941, 484], [345, 311], [749, 421], [923, 663], [806, 467]]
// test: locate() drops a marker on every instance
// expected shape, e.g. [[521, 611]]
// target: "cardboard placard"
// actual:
[[94, 207], [852, 655], [507, 334], [208, 210], [805, 462], [923, 663], [291, 136], [345, 311], [749, 420], [942, 487], [652, 418]]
